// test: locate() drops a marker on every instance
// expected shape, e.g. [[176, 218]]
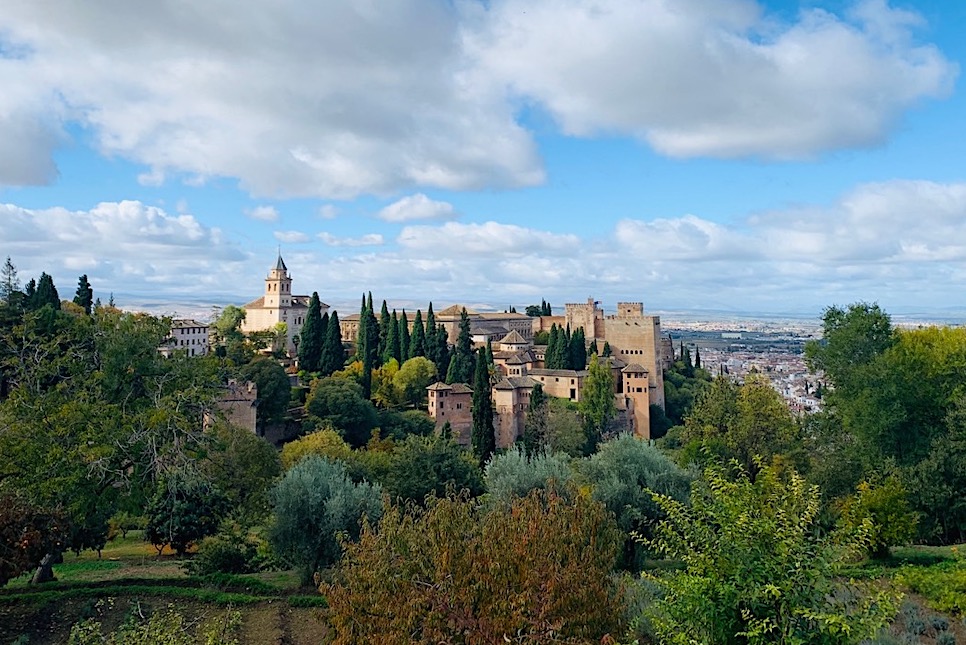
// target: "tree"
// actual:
[[484, 434], [624, 475], [551, 353], [314, 504], [341, 402], [84, 297], [547, 309], [9, 284], [417, 344], [605, 351], [884, 504], [755, 567], [578, 350], [324, 443], [404, 336], [244, 466], [463, 365], [385, 324], [514, 474], [46, 294], [312, 340], [27, 534], [533, 311], [432, 575], [851, 340], [412, 379], [227, 327], [184, 509], [333, 353], [274, 388], [597, 401], [424, 466], [392, 343], [535, 426]]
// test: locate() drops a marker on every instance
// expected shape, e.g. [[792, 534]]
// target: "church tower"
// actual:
[[278, 286]]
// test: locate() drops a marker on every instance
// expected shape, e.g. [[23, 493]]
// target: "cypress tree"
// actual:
[[697, 357], [535, 426], [550, 355], [403, 337], [563, 350], [463, 353], [489, 353], [333, 353], [452, 370], [84, 297], [484, 434], [323, 333], [392, 349], [384, 322], [30, 291], [431, 331], [548, 311], [605, 352], [9, 284], [417, 344], [46, 293], [311, 340], [578, 350], [442, 353]]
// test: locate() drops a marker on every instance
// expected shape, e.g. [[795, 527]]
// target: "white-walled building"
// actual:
[[189, 336], [278, 304]]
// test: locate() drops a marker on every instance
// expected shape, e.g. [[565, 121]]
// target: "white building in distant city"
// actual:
[[189, 336], [278, 305]]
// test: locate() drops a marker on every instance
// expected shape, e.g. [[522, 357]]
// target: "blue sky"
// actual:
[[698, 155]]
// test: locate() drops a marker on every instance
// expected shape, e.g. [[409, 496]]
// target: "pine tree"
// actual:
[[417, 344], [537, 422], [30, 291], [392, 349], [46, 293], [384, 322], [333, 353], [9, 284], [84, 297], [403, 337], [484, 434], [311, 339]]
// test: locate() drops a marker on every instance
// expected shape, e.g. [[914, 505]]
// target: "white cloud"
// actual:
[[370, 239], [122, 246], [487, 239], [298, 99], [263, 213], [699, 77], [328, 211], [417, 207], [291, 237], [153, 178]]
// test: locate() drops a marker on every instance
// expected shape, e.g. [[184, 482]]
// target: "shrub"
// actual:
[[314, 503], [454, 573], [512, 474], [224, 553], [945, 638], [886, 505], [754, 569], [184, 509], [324, 443]]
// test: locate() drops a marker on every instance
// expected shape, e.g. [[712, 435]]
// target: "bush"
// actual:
[[422, 466], [756, 570], [315, 502], [886, 506], [323, 443], [184, 509], [455, 573], [512, 474], [225, 553]]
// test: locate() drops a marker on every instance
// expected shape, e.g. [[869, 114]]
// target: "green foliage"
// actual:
[[536, 425], [565, 429], [624, 475], [597, 401], [84, 297], [323, 443], [484, 434], [423, 466], [462, 364], [274, 387], [160, 628], [884, 504], [453, 573], [412, 379], [184, 509], [754, 568], [314, 503], [943, 585], [312, 338], [513, 474], [229, 551], [244, 466], [343, 404], [399, 425], [333, 352]]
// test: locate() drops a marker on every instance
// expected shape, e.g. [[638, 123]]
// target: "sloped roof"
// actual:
[[634, 367], [515, 383], [461, 388], [438, 386], [455, 311], [513, 338], [280, 263], [567, 373]]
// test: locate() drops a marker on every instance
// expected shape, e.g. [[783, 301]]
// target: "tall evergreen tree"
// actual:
[[403, 337], [489, 354], [84, 297], [441, 353], [392, 349], [697, 357], [547, 310], [46, 293], [597, 403], [384, 324], [463, 353], [417, 344], [578, 350], [9, 284], [536, 425], [30, 292], [333, 353], [431, 332], [371, 352], [484, 434], [323, 333], [311, 339], [605, 351], [550, 354]]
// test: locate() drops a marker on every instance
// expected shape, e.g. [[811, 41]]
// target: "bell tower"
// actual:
[[278, 286]]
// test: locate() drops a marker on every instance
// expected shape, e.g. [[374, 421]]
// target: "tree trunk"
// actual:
[[45, 572]]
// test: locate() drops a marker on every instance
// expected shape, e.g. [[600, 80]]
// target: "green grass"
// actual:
[[47, 595], [943, 585]]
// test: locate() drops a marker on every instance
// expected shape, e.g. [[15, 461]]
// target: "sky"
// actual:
[[743, 156]]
